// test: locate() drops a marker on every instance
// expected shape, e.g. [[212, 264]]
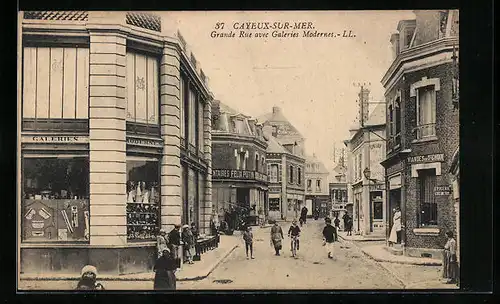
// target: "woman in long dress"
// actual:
[[276, 237], [450, 263], [161, 242], [165, 268], [396, 227]]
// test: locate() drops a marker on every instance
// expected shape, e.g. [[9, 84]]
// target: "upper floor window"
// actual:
[[55, 87], [299, 176], [426, 112], [256, 162], [182, 106], [200, 125], [262, 162], [241, 160], [309, 185], [273, 175], [192, 109], [290, 174], [318, 185]]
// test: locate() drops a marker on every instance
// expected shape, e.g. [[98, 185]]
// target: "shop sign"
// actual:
[[394, 168], [376, 187], [442, 190], [144, 142], [55, 139], [274, 190], [429, 158], [238, 174]]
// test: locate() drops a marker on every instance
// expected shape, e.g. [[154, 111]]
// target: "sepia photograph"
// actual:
[[238, 150]]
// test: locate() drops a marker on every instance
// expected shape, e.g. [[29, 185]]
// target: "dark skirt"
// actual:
[[165, 280], [450, 266]]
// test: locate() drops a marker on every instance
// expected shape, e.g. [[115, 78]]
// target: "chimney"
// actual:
[[276, 110], [364, 99], [395, 45]]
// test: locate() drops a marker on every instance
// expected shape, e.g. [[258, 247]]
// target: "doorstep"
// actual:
[[380, 254], [197, 271], [361, 238]]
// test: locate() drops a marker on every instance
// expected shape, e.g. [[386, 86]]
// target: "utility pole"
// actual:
[[363, 100]]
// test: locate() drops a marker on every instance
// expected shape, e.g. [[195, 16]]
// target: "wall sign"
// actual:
[[238, 174], [144, 142], [442, 190], [429, 158], [54, 139], [394, 168]]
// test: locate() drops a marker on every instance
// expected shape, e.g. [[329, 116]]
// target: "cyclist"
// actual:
[[294, 233]]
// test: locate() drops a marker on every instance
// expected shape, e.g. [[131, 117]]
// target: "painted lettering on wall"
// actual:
[[429, 158], [442, 190], [54, 139], [144, 142], [238, 174]]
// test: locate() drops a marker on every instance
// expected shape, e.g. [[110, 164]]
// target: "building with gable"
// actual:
[[317, 191], [239, 170], [338, 189]]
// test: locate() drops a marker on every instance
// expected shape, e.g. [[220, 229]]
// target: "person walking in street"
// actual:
[[337, 222], [248, 238], [303, 215], [174, 243], [276, 237], [349, 225], [329, 237], [164, 269], [395, 236], [294, 232], [316, 213], [88, 280], [188, 240], [161, 242], [194, 231], [450, 263], [345, 217]]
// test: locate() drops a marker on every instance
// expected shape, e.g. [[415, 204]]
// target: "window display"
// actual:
[[274, 204], [56, 202], [143, 199]]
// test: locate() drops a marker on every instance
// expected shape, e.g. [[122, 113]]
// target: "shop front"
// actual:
[[274, 212]]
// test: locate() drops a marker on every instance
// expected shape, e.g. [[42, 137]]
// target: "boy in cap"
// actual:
[[88, 279]]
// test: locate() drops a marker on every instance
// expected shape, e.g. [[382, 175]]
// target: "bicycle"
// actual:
[[294, 240]]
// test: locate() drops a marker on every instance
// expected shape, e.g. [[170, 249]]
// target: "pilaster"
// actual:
[[206, 209]]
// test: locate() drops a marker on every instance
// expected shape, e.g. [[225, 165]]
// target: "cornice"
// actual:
[[225, 137]]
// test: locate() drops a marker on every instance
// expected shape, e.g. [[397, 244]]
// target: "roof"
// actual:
[[277, 118], [224, 108], [273, 145], [314, 160]]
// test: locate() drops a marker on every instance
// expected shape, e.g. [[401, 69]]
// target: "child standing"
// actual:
[[248, 238]]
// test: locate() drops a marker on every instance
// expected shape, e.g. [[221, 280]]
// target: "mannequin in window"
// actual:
[[138, 192], [146, 194], [131, 192]]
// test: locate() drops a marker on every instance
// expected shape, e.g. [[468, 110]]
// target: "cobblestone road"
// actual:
[[311, 270]]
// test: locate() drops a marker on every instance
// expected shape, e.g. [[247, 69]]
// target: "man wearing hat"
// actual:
[[161, 242], [174, 240], [188, 240], [88, 279]]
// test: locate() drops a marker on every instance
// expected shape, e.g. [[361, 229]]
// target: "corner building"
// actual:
[[115, 140], [239, 163], [423, 131]]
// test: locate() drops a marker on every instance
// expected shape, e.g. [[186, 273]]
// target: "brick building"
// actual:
[[239, 169], [422, 129], [114, 140]]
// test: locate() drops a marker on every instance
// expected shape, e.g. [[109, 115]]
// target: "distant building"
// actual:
[[423, 130], [239, 165], [286, 164], [338, 190], [366, 149], [317, 196]]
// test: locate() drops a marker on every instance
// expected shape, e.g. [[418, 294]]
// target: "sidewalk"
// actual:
[[360, 238], [197, 271], [380, 254]]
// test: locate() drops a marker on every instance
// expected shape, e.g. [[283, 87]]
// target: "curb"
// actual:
[[209, 270], [364, 240]]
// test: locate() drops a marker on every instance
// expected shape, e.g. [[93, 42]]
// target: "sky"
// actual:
[[313, 80]]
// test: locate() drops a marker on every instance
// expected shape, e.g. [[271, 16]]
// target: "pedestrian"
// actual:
[[248, 238], [303, 215], [395, 236], [337, 222], [88, 280], [194, 231], [174, 242], [164, 269], [276, 237], [329, 237], [346, 219], [450, 263], [188, 240], [294, 232], [316, 213], [161, 242], [349, 225]]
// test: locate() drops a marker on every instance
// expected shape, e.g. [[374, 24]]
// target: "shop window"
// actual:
[[182, 107], [274, 204], [192, 197], [142, 94], [428, 206], [56, 199], [143, 199], [201, 196], [426, 112], [55, 88]]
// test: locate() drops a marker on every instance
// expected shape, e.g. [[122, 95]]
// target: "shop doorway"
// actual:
[[243, 197], [394, 202]]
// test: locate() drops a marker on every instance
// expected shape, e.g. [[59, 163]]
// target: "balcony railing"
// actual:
[[394, 142], [425, 130]]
